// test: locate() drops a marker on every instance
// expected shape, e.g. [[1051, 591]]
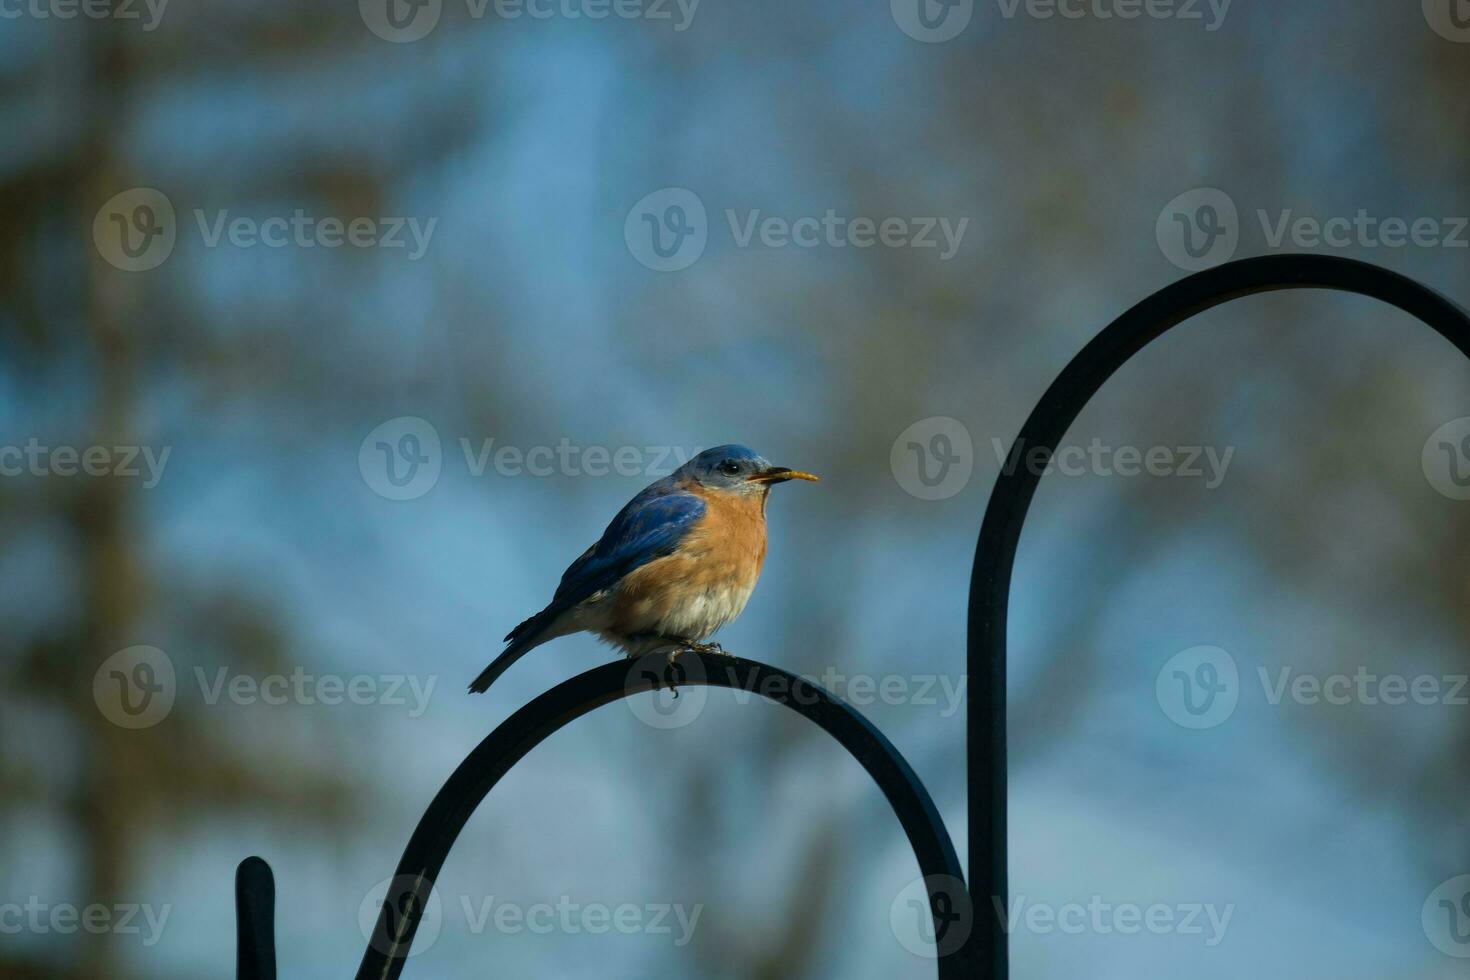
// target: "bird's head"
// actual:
[[735, 469]]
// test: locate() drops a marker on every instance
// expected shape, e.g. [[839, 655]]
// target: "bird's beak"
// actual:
[[780, 474]]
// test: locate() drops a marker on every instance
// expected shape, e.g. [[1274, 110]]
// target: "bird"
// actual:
[[679, 561]]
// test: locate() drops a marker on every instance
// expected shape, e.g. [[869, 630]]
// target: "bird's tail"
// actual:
[[521, 641]]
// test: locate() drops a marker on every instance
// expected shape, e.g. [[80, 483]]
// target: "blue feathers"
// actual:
[[650, 526]]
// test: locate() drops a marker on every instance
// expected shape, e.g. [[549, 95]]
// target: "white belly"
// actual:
[[697, 616], [637, 628]]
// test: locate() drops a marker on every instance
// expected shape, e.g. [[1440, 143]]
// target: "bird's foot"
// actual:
[[679, 647], [670, 674], [673, 648]]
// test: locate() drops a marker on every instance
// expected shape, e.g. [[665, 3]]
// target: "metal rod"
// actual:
[[1000, 532], [446, 816], [255, 900]]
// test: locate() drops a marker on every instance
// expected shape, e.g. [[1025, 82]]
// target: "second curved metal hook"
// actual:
[[1000, 532]]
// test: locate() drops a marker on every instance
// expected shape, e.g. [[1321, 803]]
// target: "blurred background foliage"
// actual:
[[264, 551]]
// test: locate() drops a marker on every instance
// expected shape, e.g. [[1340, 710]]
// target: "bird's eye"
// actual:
[[730, 468]]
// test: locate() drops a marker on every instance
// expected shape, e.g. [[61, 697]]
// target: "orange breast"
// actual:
[[704, 584], [732, 533]]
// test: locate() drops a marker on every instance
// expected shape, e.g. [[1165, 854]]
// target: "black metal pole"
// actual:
[[428, 848], [1000, 532], [255, 900], [568, 701]]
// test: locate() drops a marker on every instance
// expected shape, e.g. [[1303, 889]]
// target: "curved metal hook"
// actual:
[[1000, 533], [446, 816]]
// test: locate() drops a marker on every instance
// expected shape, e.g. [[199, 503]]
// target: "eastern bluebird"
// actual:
[[676, 564]]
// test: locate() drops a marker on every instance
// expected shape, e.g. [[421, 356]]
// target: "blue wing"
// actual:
[[650, 526]]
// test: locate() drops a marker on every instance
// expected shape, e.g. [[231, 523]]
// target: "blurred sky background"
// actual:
[[268, 546]]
